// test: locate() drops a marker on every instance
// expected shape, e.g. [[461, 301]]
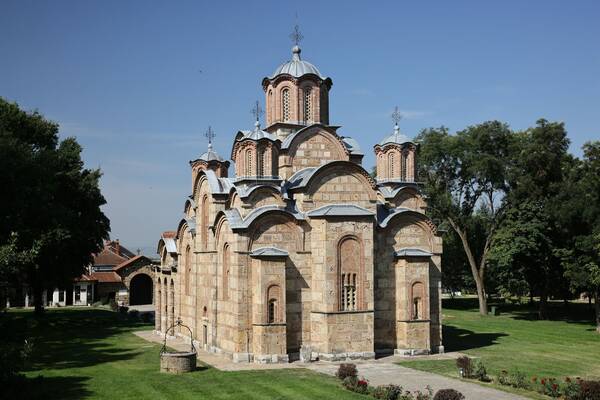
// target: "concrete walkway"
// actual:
[[383, 371]]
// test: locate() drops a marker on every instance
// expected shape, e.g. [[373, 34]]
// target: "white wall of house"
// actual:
[[83, 294]]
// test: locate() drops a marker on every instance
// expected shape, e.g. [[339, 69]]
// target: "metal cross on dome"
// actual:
[[210, 135], [257, 111], [396, 116], [296, 35]]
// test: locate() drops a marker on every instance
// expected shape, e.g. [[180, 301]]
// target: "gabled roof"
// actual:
[[131, 261], [340, 210], [268, 252], [236, 222]]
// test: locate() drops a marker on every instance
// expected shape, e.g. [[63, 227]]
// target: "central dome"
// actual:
[[297, 67]]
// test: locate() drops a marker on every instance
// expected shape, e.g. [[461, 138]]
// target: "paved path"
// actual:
[[383, 371]]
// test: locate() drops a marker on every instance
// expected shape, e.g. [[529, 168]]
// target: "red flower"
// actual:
[[554, 386], [543, 382], [362, 383]]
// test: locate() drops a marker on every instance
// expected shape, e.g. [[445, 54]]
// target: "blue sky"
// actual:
[[138, 82]]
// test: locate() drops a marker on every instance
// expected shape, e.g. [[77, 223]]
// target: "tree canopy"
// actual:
[[51, 221]]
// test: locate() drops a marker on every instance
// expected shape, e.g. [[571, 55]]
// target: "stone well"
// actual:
[[177, 362]]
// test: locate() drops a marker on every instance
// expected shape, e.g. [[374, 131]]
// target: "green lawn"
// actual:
[[564, 346], [92, 353]]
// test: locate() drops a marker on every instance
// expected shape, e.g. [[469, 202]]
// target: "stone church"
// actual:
[[302, 254]]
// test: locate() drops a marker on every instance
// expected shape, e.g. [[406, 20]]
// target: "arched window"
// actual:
[[391, 165], [188, 269], [285, 104], [248, 169], [270, 106], [307, 104], [349, 259], [204, 222], [261, 162], [418, 293], [226, 263], [403, 165], [273, 304]]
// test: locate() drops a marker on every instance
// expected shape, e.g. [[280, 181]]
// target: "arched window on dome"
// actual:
[[308, 104], [391, 165], [262, 162], [248, 165], [270, 107], [285, 104], [403, 165]]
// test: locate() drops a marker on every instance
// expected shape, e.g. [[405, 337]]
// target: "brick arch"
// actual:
[[221, 224], [338, 169], [262, 193], [313, 153], [275, 228], [419, 231], [418, 289]]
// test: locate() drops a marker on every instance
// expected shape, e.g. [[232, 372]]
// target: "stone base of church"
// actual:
[[365, 355], [411, 352], [271, 359]]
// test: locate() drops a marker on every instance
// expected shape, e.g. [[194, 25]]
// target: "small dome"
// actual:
[[297, 67], [255, 134], [396, 137], [211, 155]]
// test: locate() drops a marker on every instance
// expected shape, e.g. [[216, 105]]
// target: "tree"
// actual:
[[466, 183], [533, 234], [50, 217], [581, 209], [521, 249]]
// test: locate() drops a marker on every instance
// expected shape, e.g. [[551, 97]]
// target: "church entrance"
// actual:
[[140, 290]]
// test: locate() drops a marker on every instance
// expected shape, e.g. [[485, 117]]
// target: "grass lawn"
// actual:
[[93, 354], [567, 345]]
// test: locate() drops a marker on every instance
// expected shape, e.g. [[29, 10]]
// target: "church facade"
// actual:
[[302, 254]]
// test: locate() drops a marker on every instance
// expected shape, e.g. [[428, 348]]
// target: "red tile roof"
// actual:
[[106, 277], [130, 261]]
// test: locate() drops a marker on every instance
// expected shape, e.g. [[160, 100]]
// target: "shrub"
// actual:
[[362, 386], [448, 394], [589, 390], [571, 389], [517, 379], [346, 370], [350, 382], [133, 314], [479, 372], [466, 365], [387, 392], [427, 395]]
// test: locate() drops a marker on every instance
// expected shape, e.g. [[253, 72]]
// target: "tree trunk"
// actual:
[[543, 309], [37, 298], [476, 272]]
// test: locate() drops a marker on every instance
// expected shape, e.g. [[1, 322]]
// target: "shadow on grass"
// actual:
[[66, 339], [46, 388], [577, 313], [70, 338], [457, 339]]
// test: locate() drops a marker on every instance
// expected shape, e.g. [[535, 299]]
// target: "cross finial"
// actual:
[[257, 111], [210, 136], [296, 35], [396, 116]]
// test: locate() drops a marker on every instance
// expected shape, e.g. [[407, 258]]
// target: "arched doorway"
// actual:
[[140, 290]]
